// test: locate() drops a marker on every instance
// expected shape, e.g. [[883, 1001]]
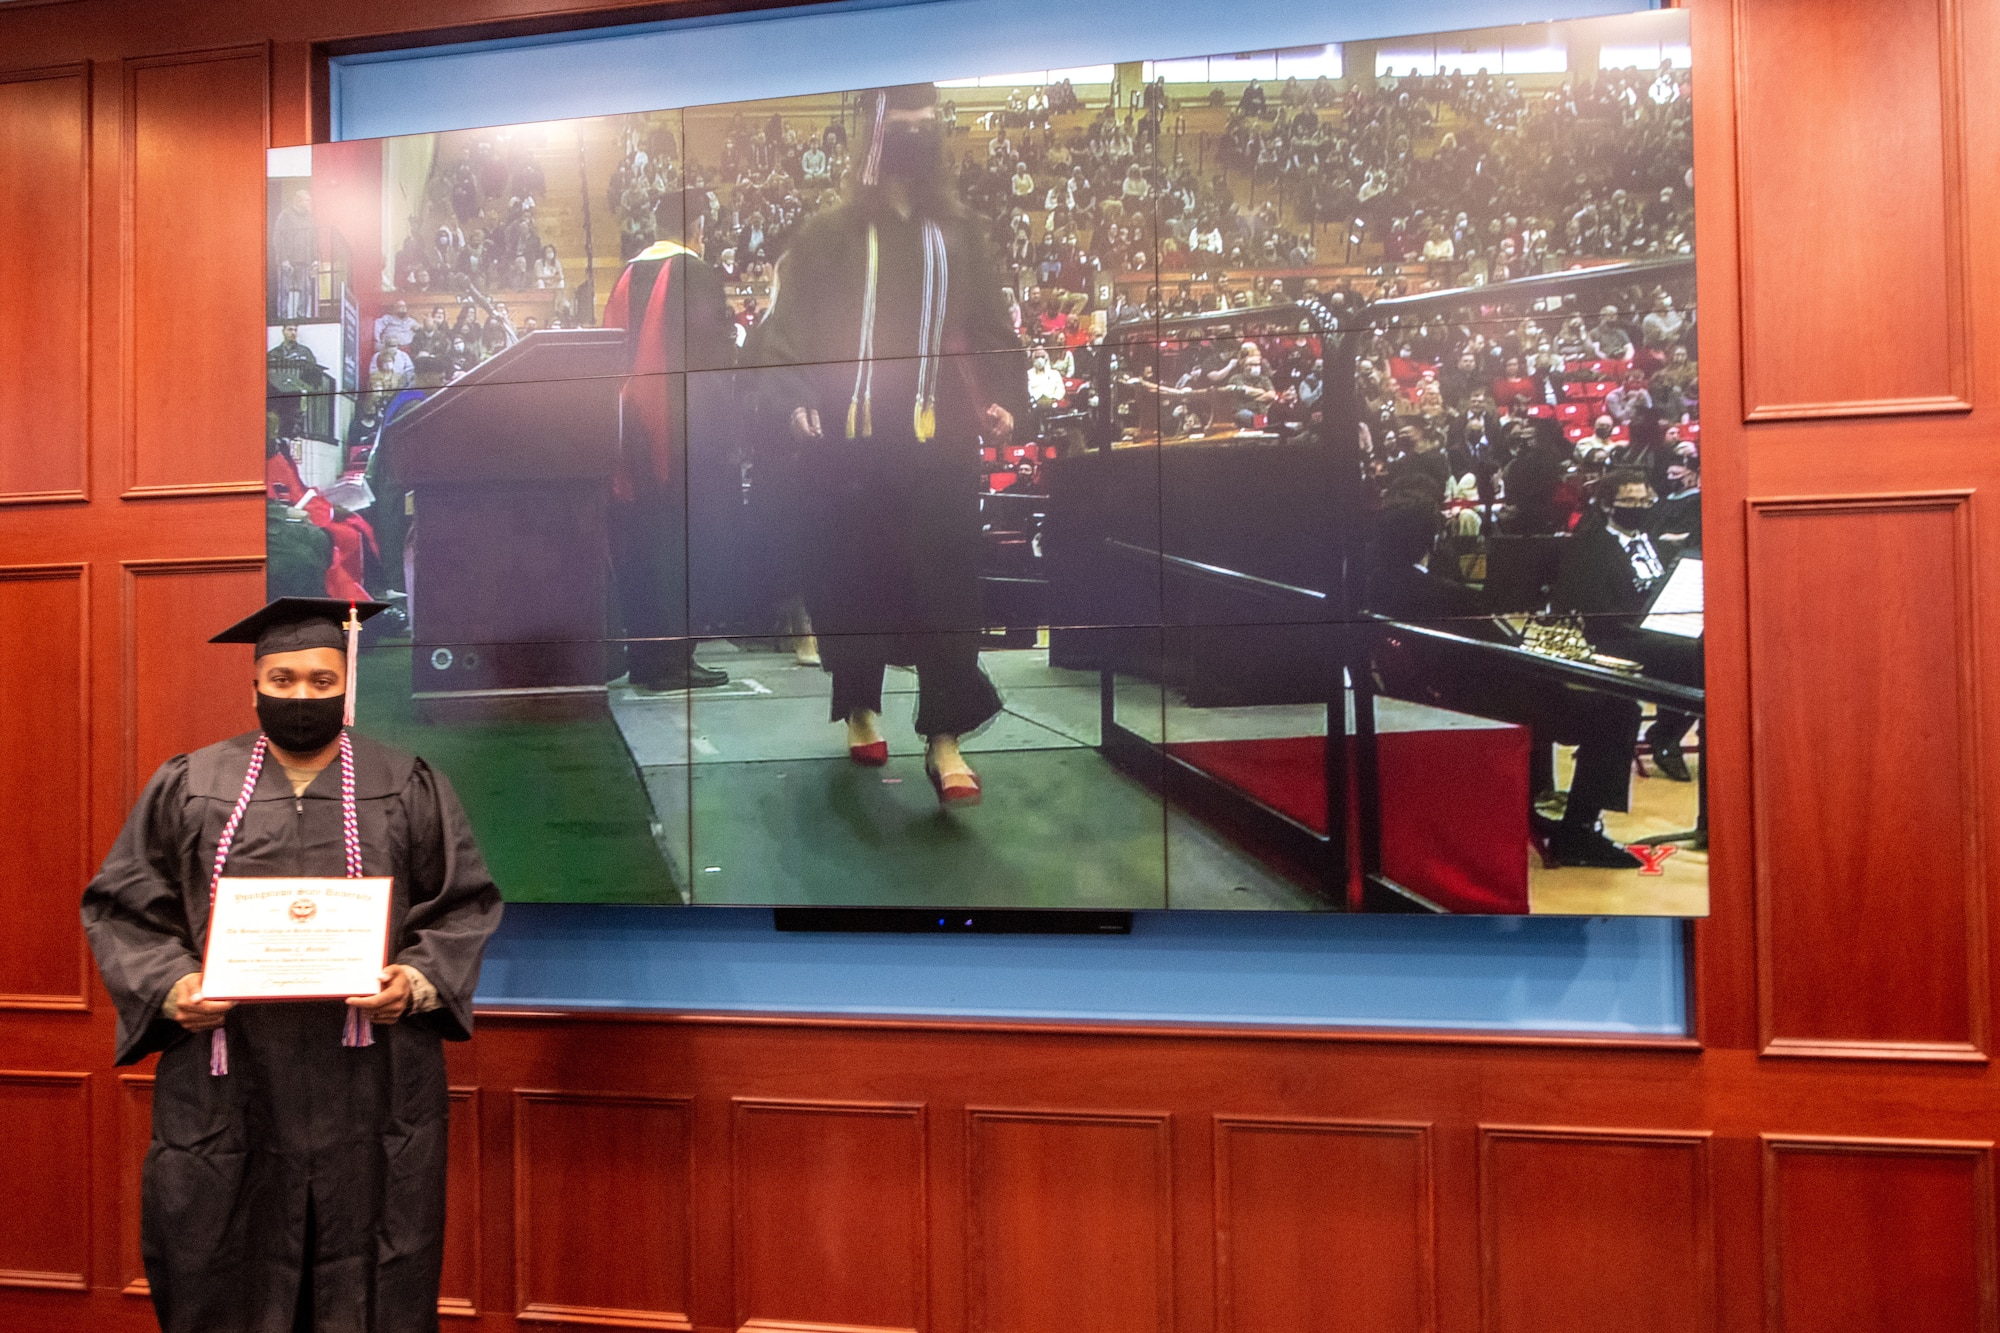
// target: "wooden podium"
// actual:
[[510, 471]]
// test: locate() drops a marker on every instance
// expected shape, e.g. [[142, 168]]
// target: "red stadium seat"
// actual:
[[1542, 410], [1567, 412]]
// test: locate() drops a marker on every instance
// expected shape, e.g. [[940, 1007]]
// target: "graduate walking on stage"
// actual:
[[296, 1176], [897, 360]]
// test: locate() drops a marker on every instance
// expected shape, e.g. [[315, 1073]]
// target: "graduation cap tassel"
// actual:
[[358, 1031], [218, 1054], [353, 628]]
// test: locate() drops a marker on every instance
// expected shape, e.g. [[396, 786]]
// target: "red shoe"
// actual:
[[872, 755], [960, 790]]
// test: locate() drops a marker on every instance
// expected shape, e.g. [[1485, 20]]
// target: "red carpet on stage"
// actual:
[[1454, 805]]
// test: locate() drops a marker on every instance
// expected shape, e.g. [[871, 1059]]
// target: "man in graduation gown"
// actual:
[[675, 314], [296, 1176], [896, 361]]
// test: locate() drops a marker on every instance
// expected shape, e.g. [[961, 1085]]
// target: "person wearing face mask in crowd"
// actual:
[[1250, 390], [1610, 570], [296, 1177], [1676, 519], [1045, 382], [893, 362]]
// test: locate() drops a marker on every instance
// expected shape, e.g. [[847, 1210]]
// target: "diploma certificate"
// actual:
[[296, 939]]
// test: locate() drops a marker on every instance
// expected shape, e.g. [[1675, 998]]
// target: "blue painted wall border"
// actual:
[[1569, 974]]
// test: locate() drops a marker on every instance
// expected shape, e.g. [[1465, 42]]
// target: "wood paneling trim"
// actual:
[[1769, 877], [21, 1277], [591, 1316], [1956, 228], [824, 1275], [533, 1307], [31, 1198], [132, 487], [192, 489], [134, 573], [1102, 1304], [792, 1326], [470, 1214], [135, 1135], [1977, 1153], [79, 301], [1699, 1239], [1419, 1284], [77, 802]]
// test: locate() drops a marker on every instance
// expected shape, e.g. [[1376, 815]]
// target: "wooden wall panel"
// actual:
[[44, 267], [1589, 1229], [135, 1135], [1323, 1225], [1070, 1226], [44, 767], [195, 134], [458, 1294], [178, 690], [1865, 734], [599, 1175], [1839, 185], [830, 1216], [1877, 1236], [45, 1226]]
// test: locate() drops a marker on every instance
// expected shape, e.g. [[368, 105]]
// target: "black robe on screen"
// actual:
[[305, 1146]]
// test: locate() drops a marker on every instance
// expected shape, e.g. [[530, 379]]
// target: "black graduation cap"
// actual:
[[293, 624]]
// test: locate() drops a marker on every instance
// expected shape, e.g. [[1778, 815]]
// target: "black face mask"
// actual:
[[912, 152], [1632, 518], [301, 726]]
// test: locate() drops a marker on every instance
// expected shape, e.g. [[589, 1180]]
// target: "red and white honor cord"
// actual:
[[357, 1031]]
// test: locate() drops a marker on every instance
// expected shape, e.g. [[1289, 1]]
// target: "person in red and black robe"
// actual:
[[895, 360], [676, 316]]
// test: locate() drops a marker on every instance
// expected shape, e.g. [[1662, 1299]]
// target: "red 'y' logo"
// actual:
[[1653, 858]]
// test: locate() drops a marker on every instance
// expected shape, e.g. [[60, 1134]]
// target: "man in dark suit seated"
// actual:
[[1603, 727], [1676, 520], [1609, 573]]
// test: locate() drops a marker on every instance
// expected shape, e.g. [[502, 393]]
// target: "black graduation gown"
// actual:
[[893, 555], [301, 1127], [675, 445]]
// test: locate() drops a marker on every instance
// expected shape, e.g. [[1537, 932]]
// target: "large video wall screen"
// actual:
[[1269, 481]]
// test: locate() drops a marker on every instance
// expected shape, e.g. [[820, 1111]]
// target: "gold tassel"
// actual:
[[867, 416], [926, 422], [853, 405]]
